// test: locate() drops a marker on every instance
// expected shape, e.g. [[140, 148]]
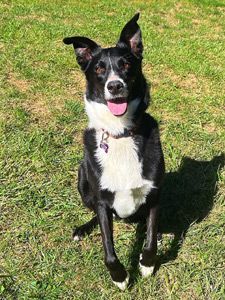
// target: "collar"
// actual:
[[105, 135], [126, 133]]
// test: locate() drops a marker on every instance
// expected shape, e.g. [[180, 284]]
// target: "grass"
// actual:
[[42, 118]]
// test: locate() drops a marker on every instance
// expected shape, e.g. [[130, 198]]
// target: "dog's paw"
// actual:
[[77, 235], [159, 239], [76, 238], [122, 285], [146, 270]]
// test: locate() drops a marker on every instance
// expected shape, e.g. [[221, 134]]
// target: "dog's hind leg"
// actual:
[[84, 229]]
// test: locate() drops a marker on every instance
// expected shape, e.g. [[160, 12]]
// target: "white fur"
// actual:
[[127, 202], [145, 271], [122, 174], [100, 117], [121, 168], [122, 285], [76, 238], [112, 77]]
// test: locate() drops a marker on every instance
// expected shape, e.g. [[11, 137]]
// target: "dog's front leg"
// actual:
[[148, 256], [116, 269]]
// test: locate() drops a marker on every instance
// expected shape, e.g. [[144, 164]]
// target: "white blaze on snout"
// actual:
[[112, 77]]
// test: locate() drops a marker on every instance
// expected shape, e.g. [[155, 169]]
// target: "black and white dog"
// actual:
[[123, 164]]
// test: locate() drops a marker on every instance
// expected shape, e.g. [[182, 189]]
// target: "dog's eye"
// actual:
[[124, 66], [99, 70]]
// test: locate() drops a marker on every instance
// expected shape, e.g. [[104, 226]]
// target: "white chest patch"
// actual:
[[122, 174], [121, 168]]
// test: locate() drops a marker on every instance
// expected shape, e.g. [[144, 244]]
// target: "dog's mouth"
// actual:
[[117, 106]]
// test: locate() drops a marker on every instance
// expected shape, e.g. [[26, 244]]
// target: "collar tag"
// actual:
[[103, 144], [105, 135]]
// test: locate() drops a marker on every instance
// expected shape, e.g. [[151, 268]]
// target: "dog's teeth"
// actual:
[[122, 285], [146, 271]]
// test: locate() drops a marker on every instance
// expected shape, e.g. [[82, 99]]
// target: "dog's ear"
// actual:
[[131, 37], [84, 49]]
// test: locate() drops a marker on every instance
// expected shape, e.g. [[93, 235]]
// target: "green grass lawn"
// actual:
[[41, 121]]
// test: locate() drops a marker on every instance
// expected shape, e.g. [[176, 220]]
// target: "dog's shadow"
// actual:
[[187, 197]]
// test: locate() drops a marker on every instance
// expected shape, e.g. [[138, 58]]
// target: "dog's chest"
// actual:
[[122, 174]]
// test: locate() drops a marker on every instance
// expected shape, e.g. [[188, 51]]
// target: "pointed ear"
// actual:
[[84, 49], [131, 37]]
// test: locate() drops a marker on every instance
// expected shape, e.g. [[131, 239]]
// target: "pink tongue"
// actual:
[[117, 108]]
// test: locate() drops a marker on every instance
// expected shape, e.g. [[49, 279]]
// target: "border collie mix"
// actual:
[[123, 165]]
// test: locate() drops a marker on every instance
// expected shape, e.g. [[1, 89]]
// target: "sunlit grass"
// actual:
[[42, 117]]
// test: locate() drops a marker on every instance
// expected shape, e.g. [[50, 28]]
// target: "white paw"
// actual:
[[76, 238], [159, 243], [122, 285], [146, 271]]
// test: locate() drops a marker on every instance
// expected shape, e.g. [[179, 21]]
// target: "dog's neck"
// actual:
[[100, 116]]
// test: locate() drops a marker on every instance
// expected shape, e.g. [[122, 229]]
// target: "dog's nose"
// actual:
[[115, 86]]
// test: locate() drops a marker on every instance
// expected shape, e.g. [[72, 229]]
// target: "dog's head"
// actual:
[[114, 75]]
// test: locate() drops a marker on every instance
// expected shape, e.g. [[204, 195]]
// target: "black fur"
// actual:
[[126, 60]]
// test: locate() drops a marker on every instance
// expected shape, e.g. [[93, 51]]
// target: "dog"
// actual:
[[123, 166]]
